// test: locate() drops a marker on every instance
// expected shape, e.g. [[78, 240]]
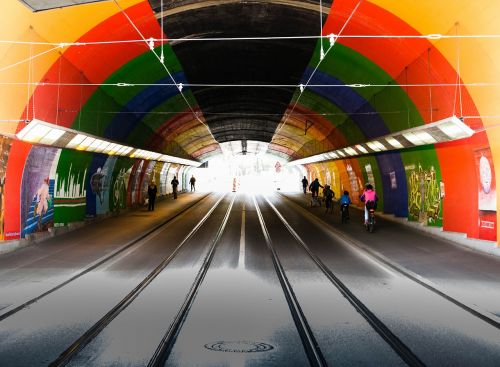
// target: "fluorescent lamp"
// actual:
[[448, 129], [85, 144], [95, 144], [350, 151], [52, 136], [361, 149], [35, 134], [394, 143], [75, 141], [102, 146], [373, 146]]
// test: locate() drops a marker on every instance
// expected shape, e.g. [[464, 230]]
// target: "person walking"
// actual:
[[304, 184], [314, 187], [152, 190], [174, 184], [192, 181]]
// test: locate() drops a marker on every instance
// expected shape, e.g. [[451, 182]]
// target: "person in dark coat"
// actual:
[[192, 181], [152, 190], [304, 184], [174, 184]]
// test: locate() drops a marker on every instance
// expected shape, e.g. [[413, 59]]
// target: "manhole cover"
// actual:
[[239, 346]]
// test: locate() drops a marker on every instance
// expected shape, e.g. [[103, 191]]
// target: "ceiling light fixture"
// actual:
[[45, 133], [442, 131]]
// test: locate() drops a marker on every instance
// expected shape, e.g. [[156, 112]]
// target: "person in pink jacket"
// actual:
[[370, 199]]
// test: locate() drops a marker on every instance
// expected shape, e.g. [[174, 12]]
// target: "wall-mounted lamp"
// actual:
[[448, 129], [45, 133]]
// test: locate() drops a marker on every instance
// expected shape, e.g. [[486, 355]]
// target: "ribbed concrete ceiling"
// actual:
[[242, 113]]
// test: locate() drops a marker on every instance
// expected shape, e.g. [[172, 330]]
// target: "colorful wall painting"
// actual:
[[100, 184], [119, 184], [369, 174], [424, 195], [353, 181], [5, 144], [37, 193], [70, 192], [487, 197]]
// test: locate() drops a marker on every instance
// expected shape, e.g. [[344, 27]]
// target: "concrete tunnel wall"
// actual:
[[376, 86]]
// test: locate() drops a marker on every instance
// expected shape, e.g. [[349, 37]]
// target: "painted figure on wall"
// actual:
[[4, 156], [97, 184], [487, 195], [37, 193], [424, 196], [119, 190], [43, 201]]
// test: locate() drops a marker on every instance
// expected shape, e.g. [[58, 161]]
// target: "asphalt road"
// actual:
[[239, 314]]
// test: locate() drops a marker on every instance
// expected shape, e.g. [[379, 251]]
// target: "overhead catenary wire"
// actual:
[[201, 85], [29, 59], [333, 39], [150, 44], [432, 36]]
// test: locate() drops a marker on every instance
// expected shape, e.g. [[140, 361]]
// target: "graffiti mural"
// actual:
[[37, 205], [119, 184], [353, 180], [5, 144], [369, 174], [487, 194], [424, 197], [70, 195], [101, 185]]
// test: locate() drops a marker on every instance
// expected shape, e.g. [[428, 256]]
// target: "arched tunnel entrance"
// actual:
[[160, 147]]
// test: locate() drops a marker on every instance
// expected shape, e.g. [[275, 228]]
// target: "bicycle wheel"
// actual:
[[371, 223]]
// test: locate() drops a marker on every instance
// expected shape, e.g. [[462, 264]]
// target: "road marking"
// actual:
[[241, 261]]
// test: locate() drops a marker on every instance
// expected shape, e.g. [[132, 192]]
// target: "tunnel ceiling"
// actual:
[[235, 88], [242, 113]]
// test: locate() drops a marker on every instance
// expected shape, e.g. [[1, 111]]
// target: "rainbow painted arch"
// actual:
[[147, 77]]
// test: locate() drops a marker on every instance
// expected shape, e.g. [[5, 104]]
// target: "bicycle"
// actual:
[[370, 225], [344, 208]]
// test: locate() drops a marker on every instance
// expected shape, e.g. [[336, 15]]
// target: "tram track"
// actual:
[[400, 348], [485, 316], [164, 348], [94, 330], [312, 349], [101, 261]]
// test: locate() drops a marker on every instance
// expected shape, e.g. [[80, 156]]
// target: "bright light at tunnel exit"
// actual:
[[250, 173]]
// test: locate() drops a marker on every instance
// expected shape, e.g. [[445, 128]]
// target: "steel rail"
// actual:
[[98, 262], [309, 342], [485, 316], [163, 350], [395, 343], [92, 332]]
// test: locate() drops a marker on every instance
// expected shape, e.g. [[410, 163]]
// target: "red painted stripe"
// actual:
[[456, 160]]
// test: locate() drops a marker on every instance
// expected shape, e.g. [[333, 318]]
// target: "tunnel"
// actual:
[[103, 99]]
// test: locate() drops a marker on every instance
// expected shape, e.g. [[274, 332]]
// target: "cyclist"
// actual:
[[329, 196], [370, 199], [345, 201]]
